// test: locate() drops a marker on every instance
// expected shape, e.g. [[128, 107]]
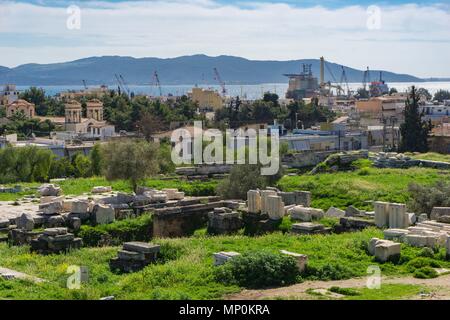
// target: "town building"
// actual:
[[8, 95], [376, 111], [20, 106], [92, 127]]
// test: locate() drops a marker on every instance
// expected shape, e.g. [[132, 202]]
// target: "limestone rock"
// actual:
[[101, 189], [302, 259], [51, 208], [25, 222], [103, 214], [335, 213], [222, 257], [305, 214], [49, 190], [439, 211]]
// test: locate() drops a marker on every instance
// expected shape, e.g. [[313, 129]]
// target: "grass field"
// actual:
[[85, 185], [430, 156], [186, 271], [358, 187]]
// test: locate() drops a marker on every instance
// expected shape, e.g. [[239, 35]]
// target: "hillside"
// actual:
[[181, 70]]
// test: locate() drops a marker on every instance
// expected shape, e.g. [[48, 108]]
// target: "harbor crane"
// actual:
[[157, 83], [219, 79], [122, 85]]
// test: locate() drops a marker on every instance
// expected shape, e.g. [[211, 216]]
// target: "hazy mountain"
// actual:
[[197, 69]]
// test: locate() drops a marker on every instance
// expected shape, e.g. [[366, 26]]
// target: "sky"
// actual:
[[400, 35]]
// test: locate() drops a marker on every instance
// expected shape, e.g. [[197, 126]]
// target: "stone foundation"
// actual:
[[134, 257]]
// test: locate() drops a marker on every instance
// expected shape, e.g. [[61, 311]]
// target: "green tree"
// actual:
[[414, 131], [442, 95], [423, 93], [37, 97], [96, 160], [130, 160]]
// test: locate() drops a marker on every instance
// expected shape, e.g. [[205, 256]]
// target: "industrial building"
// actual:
[[302, 85], [207, 99]]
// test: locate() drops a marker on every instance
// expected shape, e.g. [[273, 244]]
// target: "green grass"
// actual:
[[387, 292], [185, 270], [430, 156], [353, 188], [85, 185]]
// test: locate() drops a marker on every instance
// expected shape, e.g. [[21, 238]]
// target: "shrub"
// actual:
[[330, 271], [426, 253], [425, 198], [425, 273], [139, 229], [258, 270], [422, 262]]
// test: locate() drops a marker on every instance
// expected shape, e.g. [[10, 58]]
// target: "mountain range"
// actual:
[[196, 69]]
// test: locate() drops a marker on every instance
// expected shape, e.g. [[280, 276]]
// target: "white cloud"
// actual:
[[413, 39]]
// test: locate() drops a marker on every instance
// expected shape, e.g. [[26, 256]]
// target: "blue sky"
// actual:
[[402, 36]]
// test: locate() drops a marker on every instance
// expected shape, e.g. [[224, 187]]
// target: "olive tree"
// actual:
[[130, 160]]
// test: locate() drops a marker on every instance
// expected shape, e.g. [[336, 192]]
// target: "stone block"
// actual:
[[444, 219], [302, 259], [51, 208], [173, 194], [422, 217], [130, 255], [55, 221], [305, 214], [417, 240], [254, 201], [49, 190], [275, 207], [395, 234], [381, 214], [222, 257], [307, 228], [103, 214], [351, 211], [439, 211], [25, 222], [74, 223], [141, 247], [101, 189], [398, 218], [264, 198], [335, 213], [4, 223], [80, 206], [387, 251], [55, 231]]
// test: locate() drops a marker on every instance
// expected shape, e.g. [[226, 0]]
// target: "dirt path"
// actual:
[[440, 288]]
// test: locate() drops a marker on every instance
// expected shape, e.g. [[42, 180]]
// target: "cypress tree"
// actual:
[[414, 131]]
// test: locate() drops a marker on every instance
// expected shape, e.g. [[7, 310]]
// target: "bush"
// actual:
[[421, 262], [425, 198], [139, 229], [425, 273], [426, 253], [258, 270], [330, 271]]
